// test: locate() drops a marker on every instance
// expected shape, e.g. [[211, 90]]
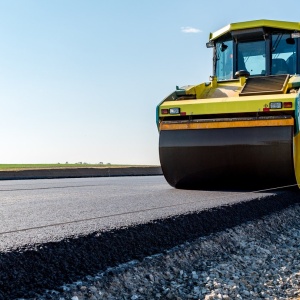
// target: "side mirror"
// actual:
[[290, 41]]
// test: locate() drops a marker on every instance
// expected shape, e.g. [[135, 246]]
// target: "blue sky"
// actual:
[[80, 80]]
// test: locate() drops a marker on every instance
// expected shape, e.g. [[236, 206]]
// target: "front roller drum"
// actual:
[[242, 157]]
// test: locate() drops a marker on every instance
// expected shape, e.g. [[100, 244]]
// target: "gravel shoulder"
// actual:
[[256, 260]]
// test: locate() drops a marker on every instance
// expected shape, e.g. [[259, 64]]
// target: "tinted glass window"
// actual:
[[224, 56], [283, 54], [252, 57]]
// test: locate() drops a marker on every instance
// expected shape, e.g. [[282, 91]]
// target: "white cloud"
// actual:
[[188, 29]]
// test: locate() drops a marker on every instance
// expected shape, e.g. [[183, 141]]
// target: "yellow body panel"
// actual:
[[210, 90], [294, 81], [232, 87], [227, 124], [228, 105]]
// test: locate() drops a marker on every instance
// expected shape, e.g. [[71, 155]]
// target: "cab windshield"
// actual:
[[252, 56]]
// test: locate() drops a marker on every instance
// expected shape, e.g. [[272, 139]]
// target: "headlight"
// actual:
[[174, 111], [275, 105]]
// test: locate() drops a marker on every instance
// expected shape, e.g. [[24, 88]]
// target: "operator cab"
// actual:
[[260, 51]]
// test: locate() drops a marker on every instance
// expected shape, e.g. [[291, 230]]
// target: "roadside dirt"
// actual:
[[79, 172]]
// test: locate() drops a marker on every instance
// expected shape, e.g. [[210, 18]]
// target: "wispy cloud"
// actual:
[[189, 29]]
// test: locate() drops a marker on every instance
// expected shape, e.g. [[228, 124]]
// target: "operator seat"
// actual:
[[279, 66]]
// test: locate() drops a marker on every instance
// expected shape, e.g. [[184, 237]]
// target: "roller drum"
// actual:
[[253, 157]]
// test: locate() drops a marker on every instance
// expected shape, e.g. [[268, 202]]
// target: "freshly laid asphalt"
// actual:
[[73, 227], [35, 211]]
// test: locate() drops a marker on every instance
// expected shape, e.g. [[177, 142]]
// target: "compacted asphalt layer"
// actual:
[[54, 231]]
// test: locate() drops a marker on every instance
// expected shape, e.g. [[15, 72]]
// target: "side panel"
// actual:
[[297, 140]]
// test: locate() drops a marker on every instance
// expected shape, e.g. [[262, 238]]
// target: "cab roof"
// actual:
[[293, 26]]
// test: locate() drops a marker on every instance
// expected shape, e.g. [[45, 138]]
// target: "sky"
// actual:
[[80, 80]]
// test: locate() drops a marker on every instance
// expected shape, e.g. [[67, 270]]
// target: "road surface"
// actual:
[[37, 211]]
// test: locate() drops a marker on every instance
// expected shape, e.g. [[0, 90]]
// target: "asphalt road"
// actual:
[[38, 211]]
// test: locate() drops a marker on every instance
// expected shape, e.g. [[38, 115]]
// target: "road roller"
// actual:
[[240, 129]]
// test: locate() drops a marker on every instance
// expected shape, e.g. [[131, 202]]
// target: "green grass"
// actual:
[[4, 167]]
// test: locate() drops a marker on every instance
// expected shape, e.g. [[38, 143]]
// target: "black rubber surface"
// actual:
[[26, 271], [254, 157]]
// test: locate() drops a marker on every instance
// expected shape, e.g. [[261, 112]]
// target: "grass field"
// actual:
[[5, 167]]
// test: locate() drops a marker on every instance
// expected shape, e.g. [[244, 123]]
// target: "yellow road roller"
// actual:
[[240, 129]]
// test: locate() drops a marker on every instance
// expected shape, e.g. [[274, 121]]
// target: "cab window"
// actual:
[[224, 60], [283, 54]]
